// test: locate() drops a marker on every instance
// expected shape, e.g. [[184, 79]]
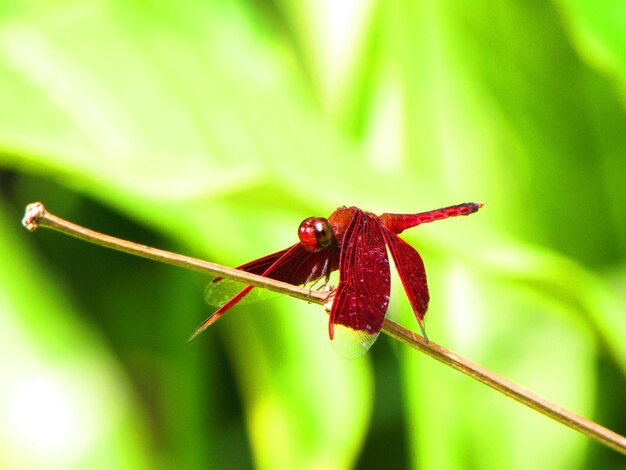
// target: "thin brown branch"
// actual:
[[37, 216]]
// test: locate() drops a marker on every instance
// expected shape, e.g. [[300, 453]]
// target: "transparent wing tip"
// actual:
[[350, 343]]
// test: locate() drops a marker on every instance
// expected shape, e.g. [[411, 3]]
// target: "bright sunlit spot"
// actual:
[[462, 316], [44, 418]]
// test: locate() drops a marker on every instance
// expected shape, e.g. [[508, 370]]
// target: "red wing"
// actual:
[[412, 274], [362, 296], [294, 265], [260, 265], [297, 267]]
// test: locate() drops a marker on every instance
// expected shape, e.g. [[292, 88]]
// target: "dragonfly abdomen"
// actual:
[[397, 223]]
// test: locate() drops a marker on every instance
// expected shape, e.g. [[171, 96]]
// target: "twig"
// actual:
[[37, 216]]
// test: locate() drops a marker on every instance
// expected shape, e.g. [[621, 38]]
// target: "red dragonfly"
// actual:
[[356, 243]]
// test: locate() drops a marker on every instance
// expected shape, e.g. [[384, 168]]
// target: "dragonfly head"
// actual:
[[315, 233]]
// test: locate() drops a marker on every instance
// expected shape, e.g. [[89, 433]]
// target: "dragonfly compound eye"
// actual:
[[315, 233]]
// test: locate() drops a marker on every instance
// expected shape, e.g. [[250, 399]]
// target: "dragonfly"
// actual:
[[356, 243]]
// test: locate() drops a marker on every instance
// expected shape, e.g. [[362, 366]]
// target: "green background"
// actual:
[[213, 129]]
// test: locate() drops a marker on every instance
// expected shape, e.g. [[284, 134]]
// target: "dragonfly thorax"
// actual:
[[315, 233]]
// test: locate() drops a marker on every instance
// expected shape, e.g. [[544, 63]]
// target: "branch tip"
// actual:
[[33, 213]]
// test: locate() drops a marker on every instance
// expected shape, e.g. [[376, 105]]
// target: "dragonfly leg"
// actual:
[[316, 275], [330, 298], [314, 283]]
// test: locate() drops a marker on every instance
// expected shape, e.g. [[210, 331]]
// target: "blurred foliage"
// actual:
[[213, 128]]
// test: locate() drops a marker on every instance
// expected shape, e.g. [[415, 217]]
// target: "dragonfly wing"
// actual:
[[362, 296], [221, 311], [412, 274], [294, 265], [258, 266], [221, 292], [297, 265]]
